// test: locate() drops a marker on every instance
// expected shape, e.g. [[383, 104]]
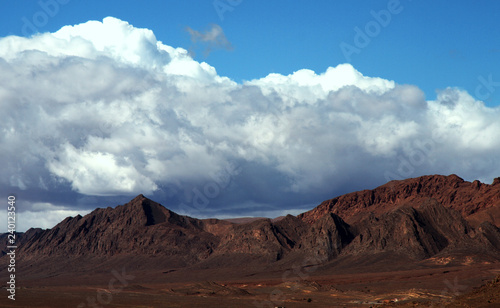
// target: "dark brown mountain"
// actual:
[[475, 201], [423, 230], [141, 227], [20, 237], [417, 219]]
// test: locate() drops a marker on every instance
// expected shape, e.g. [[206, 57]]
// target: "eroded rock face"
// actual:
[[140, 227], [450, 191], [417, 218], [416, 231], [327, 237]]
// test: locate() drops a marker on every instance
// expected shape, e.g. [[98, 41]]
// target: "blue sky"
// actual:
[[240, 107], [431, 44]]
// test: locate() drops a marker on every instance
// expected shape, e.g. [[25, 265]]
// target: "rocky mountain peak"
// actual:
[[153, 213], [450, 191], [418, 218]]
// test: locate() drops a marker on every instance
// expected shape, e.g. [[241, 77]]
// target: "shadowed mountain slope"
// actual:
[[415, 219], [468, 198]]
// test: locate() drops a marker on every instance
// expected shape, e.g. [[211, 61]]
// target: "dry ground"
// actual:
[[432, 287]]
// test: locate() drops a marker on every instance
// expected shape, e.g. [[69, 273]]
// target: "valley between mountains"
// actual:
[[423, 241]]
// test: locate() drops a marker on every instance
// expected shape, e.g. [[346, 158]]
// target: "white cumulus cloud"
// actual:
[[105, 109]]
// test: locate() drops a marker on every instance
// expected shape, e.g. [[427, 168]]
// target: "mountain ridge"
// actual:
[[413, 225], [451, 191]]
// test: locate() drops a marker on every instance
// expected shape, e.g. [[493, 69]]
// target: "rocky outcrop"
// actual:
[[418, 231], [140, 227], [327, 237], [416, 218], [468, 198]]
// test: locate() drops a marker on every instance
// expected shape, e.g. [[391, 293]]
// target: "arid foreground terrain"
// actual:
[[432, 241]]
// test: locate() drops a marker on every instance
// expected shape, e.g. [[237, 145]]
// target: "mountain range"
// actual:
[[402, 224]]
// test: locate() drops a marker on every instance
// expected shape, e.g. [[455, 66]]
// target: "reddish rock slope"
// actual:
[[405, 221], [468, 198]]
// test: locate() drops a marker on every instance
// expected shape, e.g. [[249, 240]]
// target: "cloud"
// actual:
[[213, 38], [99, 173], [101, 111], [40, 214]]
